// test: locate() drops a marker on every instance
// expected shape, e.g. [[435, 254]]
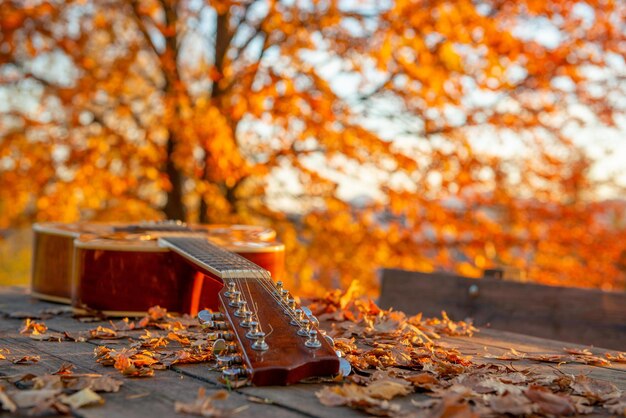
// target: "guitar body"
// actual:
[[107, 268], [53, 254], [125, 277]]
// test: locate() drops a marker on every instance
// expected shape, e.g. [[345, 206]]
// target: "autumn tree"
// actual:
[[456, 120]]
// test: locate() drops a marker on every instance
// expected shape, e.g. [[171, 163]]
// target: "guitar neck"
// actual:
[[207, 256]]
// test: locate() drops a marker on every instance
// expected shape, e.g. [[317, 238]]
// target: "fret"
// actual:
[[222, 263]]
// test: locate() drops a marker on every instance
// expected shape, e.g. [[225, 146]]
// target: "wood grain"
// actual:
[[585, 316]]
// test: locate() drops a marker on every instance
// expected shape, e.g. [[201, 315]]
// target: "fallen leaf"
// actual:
[[32, 397], [594, 389], [65, 369], [32, 327], [82, 398], [425, 381], [6, 402], [550, 403], [204, 404], [514, 404], [26, 360]]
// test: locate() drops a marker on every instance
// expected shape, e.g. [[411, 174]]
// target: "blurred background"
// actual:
[[428, 135]]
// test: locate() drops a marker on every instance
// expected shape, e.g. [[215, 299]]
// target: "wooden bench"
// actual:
[[584, 316]]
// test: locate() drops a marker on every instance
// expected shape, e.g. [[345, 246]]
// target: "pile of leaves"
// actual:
[[58, 393], [393, 355]]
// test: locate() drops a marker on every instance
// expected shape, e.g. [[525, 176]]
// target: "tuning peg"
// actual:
[[305, 328], [291, 305], [205, 316], [344, 367], [279, 288], [228, 336], [220, 347], [255, 331], [231, 287], [299, 316], [260, 343], [312, 341], [234, 373], [284, 294], [215, 325], [247, 320], [227, 361], [242, 310], [235, 299]]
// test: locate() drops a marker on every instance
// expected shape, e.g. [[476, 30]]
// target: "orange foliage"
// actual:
[[230, 111]]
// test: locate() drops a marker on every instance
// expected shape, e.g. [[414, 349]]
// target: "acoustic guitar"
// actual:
[[59, 250], [263, 335]]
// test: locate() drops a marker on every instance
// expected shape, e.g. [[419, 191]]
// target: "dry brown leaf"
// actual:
[[6, 402], [356, 397], [204, 405], [453, 406], [65, 369], [178, 338], [48, 381], [594, 389], [425, 381], [84, 397], [48, 336], [96, 383], [103, 333], [578, 351], [122, 325], [388, 388], [32, 327], [617, 357], [32, 397], [26, 360], [550, 403], [616, 405], [514, 404]]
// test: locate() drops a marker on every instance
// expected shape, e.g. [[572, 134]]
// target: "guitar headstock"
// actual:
[[273, 342]]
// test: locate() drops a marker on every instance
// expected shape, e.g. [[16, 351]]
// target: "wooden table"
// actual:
[[155, 396]]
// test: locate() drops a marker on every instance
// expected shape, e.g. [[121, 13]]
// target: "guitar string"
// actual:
[[265, 280]]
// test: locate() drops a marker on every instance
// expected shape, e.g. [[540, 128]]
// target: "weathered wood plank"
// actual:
[[137, 397], [584, 316]]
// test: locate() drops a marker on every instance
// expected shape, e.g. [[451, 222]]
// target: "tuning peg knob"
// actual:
[[234, 373], [235, 299], [255, 331], [312, 341], [291, 305], [215, 325], [231, 287], [247, 320], [242, 310], [260, 343], [205, 316], [228, 336], [227, 361], [221, 347], [305, 328], [279, 288], [284, 294], [299, 316]]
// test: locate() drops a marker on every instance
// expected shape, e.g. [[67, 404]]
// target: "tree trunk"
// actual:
[[223, 37], [174, 208]]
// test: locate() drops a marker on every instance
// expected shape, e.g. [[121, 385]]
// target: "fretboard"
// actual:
[[220, 262]]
